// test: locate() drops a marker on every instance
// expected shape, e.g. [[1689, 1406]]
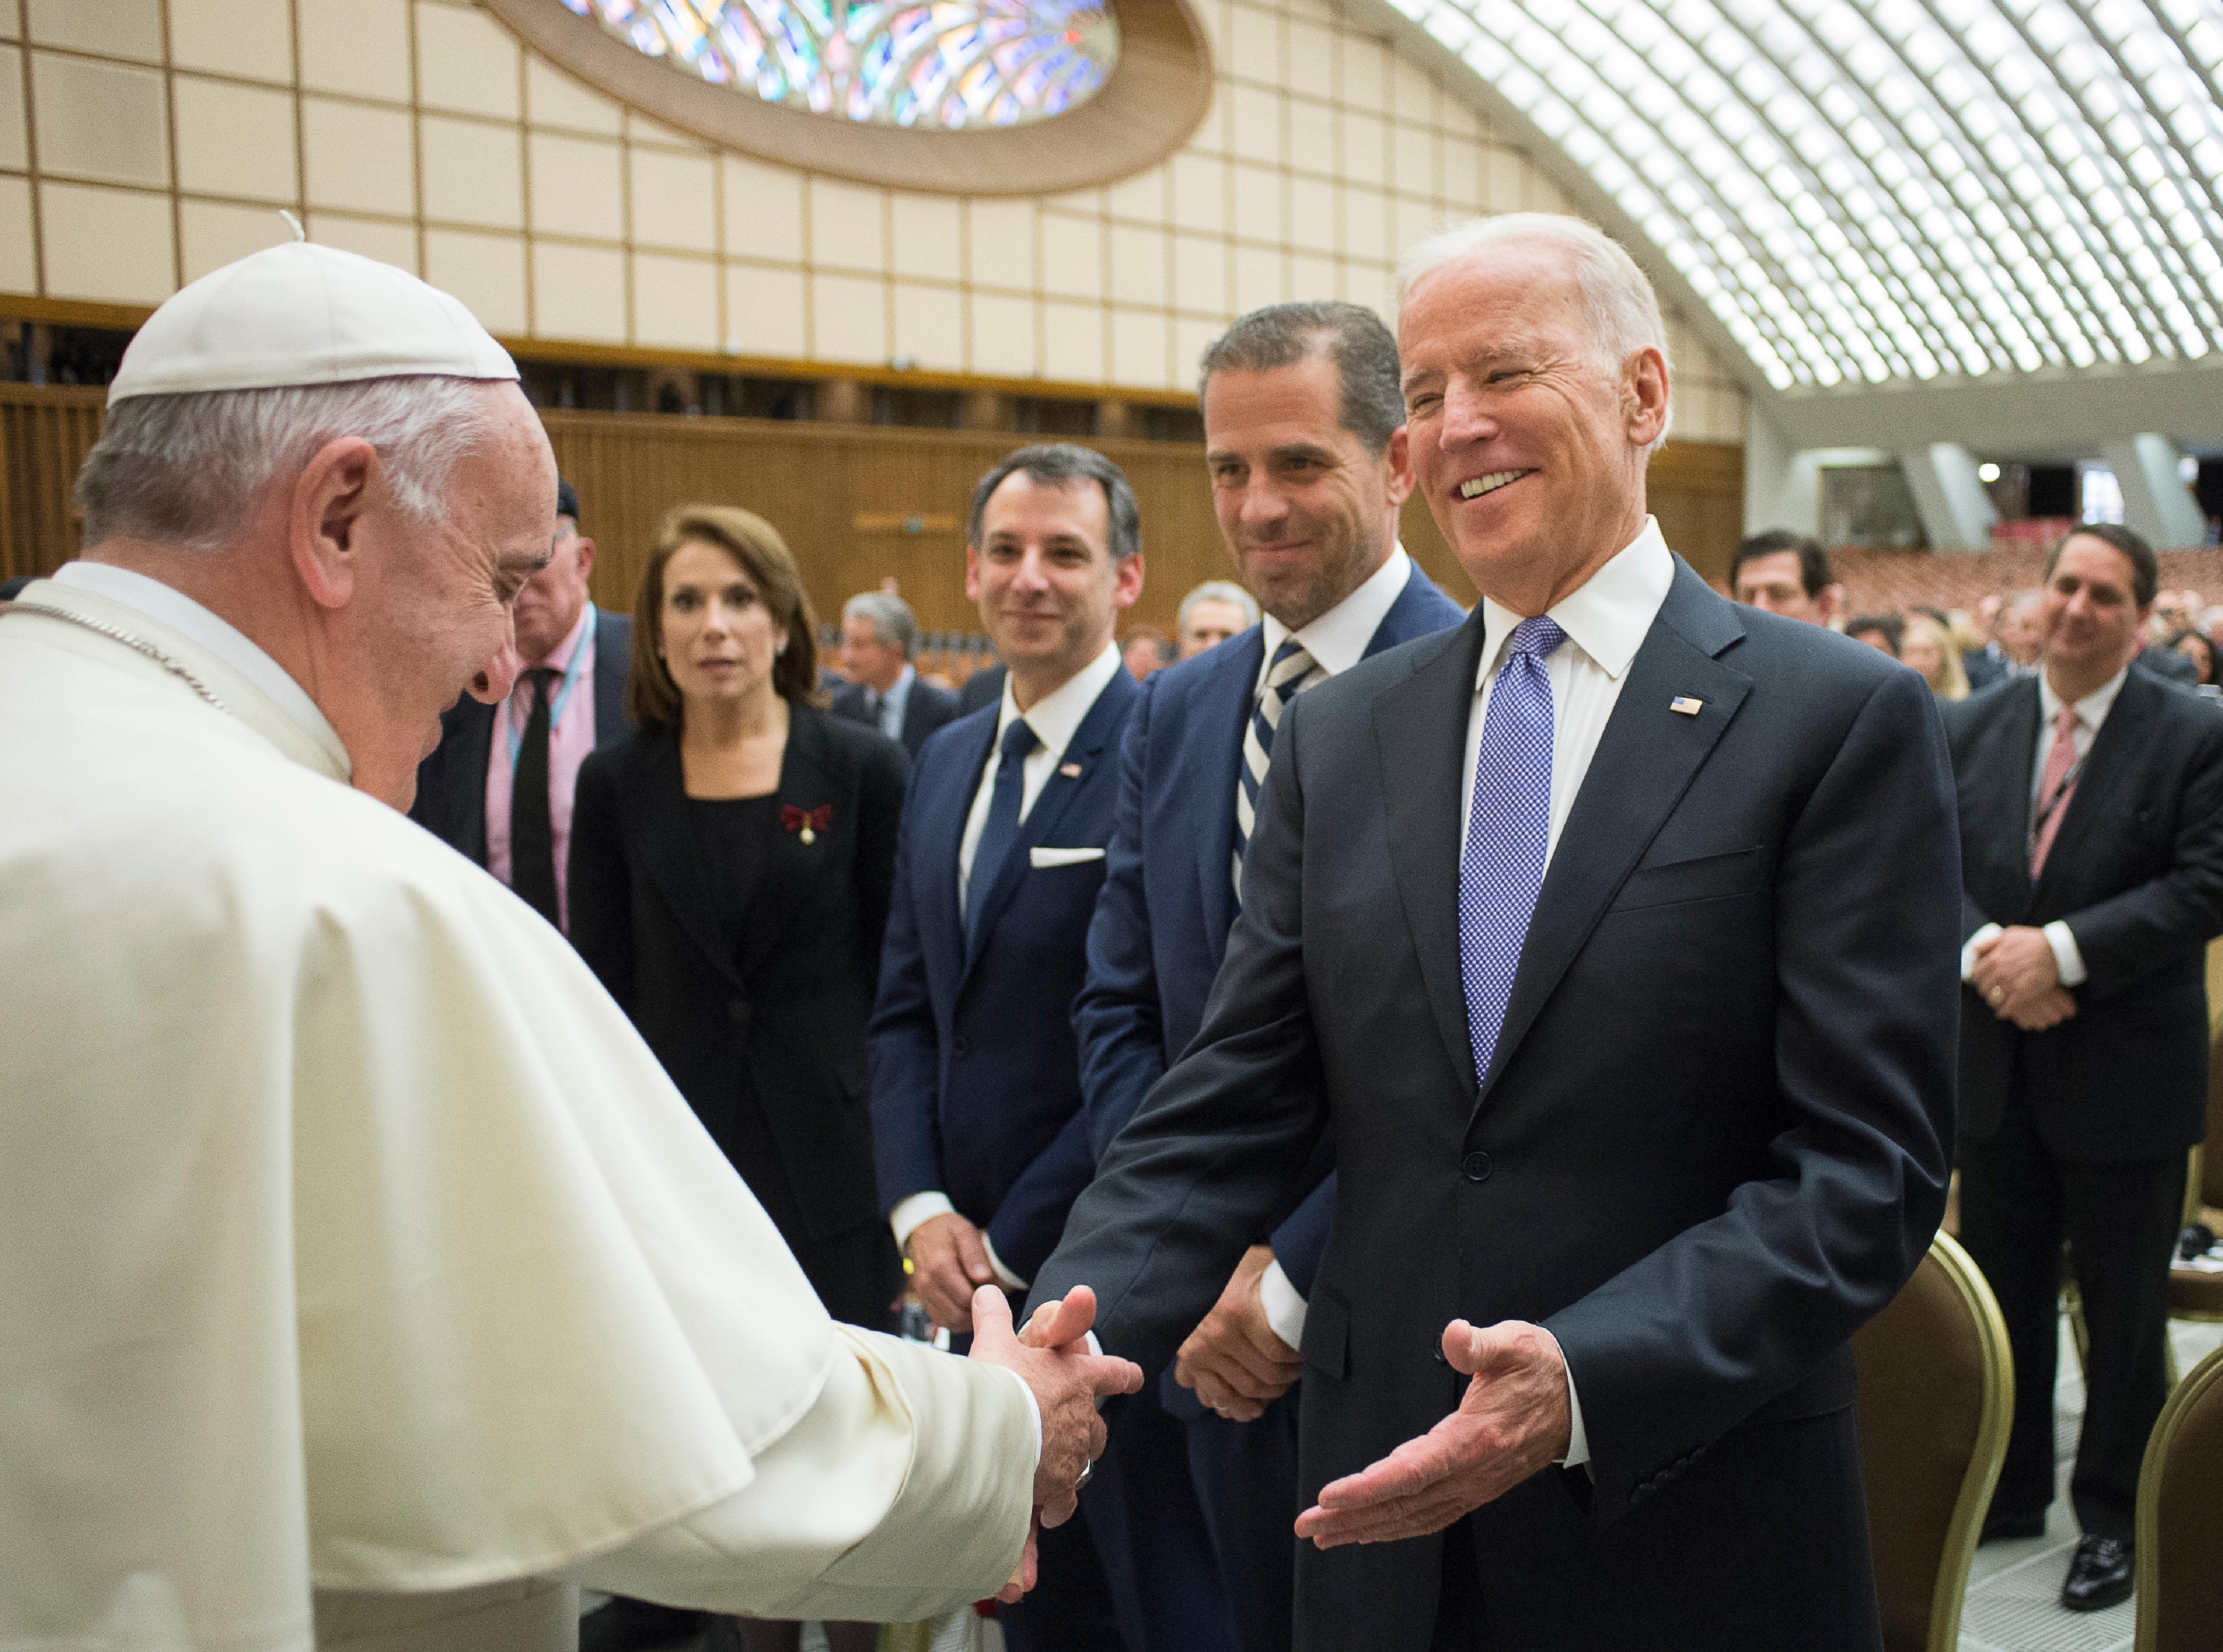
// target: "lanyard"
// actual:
[[563, 696]]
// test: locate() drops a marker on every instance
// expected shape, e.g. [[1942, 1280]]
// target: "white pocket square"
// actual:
[[1062, 857]]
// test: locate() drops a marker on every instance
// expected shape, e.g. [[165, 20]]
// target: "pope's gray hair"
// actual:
[[1618, 302], [185, 470]]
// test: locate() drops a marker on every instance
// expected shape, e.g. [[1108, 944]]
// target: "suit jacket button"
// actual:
[[961, 1045], [1436, 1350], [738, 1012], [1477, 1167]]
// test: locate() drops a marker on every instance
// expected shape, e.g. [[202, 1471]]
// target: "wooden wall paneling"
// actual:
[[815, 481], [45, 433]]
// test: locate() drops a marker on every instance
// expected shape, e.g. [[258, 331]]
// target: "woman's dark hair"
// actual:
[[2207, 673], [1889, 627], [651, 694]]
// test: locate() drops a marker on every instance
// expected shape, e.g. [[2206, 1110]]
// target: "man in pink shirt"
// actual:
[[498, 786]]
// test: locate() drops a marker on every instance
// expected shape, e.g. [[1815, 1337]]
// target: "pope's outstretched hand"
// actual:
[[1068, 1381]]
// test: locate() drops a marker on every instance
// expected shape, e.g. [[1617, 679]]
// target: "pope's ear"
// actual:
[[330, 499]]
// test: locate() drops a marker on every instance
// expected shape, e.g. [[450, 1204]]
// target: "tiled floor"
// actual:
[[2014, 1589]]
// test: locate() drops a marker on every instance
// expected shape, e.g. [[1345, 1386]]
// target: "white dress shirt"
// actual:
[[2091, 711], [1055, 718], [890, 707], [1339, 639], [1606, 622]]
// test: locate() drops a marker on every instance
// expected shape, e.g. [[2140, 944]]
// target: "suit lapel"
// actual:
[[807, 781], [670, 854], [1418, 729], [613, 665], [1222, 707], [2001, 791], [1075, 768], [1644, 763]]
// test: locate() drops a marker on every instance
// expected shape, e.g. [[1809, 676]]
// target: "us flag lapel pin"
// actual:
[[1685, 704]]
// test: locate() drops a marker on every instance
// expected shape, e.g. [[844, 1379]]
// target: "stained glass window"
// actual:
[[945, 63], [1880, 190]]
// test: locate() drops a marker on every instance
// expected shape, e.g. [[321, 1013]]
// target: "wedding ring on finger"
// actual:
[[1086, 1469]]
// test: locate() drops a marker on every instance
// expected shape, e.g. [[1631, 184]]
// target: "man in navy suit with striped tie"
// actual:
[[1305, 443]]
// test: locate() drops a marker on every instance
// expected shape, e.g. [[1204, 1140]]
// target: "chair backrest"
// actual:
[[1936, 1398], [2211, 1180], [2180, 1556]]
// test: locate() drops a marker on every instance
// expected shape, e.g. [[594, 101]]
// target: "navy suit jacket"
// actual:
[[927, 710], [1160, 924], [451, 783], [975, 1086]]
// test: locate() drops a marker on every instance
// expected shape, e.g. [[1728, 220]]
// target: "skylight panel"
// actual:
[[1914, 149]]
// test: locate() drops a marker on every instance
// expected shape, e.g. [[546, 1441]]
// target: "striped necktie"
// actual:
[[1293, 672]]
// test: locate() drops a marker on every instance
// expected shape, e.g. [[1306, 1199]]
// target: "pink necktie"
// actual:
[[2055, 788]]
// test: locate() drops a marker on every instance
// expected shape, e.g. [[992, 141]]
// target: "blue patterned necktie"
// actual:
[[1293, 672], [1508, 833], [1002, 830]]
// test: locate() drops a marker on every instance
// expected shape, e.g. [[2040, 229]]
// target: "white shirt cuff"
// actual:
[[1004, 1277], [1034, 1406], [1578, 1440], [1968, 949], [1285, 1309], [2066, 958], [920, 1208]]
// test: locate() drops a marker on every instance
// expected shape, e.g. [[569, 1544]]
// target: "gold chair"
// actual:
[[2179, 1560], [1937, 1399]]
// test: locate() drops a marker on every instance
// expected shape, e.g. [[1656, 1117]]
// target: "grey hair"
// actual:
[[185, 469], [1618, 302], [893, 619], [2016, 601], [1370, 391], [1059, 464], [1218, 591]]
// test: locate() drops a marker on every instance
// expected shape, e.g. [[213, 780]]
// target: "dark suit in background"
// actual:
[[2170, 665], [976, 1096], [1712, 1140], [1156, 940], [2081, 1131], [926, 710], [984, 687], [759, 1015], [451, 783], [1984, 668]]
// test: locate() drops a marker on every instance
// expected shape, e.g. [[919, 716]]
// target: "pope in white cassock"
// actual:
[[363, 1282]]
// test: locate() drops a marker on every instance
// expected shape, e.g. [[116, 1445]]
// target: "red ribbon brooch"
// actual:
[[807, 821]]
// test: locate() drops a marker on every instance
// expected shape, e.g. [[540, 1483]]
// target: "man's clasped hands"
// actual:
[[1512, 1421]]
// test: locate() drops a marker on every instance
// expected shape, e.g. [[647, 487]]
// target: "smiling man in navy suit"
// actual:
[[1305, 443], [1612, 935], [979, 1134]]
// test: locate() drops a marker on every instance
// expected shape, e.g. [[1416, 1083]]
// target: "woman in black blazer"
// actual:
[[729, 876]]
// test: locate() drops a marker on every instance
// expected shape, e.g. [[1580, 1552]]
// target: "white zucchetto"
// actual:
[[304, 314]]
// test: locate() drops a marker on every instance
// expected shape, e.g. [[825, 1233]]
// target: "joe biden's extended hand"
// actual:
[[1512, 1421]]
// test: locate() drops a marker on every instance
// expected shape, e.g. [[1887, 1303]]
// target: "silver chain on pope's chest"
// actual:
[[117, 634]]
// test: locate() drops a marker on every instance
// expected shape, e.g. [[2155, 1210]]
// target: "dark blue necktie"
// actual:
[[1508, 833], [1002, 830]]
